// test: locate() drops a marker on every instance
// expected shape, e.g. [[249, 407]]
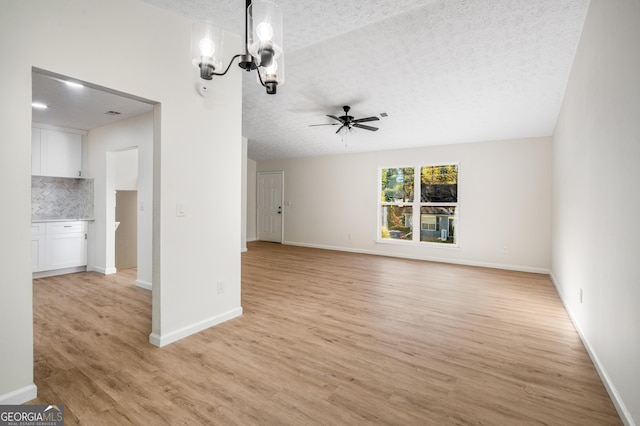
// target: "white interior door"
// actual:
[[270, 188]]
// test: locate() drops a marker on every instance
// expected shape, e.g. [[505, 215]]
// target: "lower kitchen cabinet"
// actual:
[[63, 245], [38, 243]]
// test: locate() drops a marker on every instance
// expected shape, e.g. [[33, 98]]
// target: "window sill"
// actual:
[[397, 242]]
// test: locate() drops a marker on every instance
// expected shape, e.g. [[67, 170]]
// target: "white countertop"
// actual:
[[58, 219]]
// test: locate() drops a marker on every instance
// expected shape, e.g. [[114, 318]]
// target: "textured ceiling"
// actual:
[[445, 71], [306, 22]]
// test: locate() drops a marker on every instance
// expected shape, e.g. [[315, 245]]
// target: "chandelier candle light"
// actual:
[[263, 46]]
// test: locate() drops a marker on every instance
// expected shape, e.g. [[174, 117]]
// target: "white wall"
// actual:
[[138, 49], [596, 244], [251, 222], [126, 166], [504, 200], [109, 163]]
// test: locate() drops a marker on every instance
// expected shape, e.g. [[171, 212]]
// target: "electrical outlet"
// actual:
[[220, 287], [505, 250]]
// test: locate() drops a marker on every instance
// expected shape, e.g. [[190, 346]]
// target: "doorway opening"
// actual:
[[126, 230], [115, 125]]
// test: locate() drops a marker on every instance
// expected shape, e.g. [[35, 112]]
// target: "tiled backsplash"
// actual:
[[61, 198]]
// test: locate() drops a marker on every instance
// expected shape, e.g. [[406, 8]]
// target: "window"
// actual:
[[428, 222], [425, 195]]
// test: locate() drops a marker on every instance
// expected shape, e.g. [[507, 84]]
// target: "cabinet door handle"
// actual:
[[67, 226]]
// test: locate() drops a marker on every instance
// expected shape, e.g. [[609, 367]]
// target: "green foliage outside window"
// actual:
[[397, 185], [439, 184], [433, 208]]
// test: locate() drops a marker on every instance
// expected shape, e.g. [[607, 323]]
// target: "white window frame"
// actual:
[[416, 204]]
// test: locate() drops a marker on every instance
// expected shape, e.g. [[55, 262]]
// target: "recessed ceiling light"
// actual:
[[73, 84], [39, 105]]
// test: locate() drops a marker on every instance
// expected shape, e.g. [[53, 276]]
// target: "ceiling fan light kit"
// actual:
[[263, 46]]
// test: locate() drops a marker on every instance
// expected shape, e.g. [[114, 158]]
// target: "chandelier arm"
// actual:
[[228, 66], [260, 77]]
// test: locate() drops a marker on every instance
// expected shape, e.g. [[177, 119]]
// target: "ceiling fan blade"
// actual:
[[362, 126], [328, 124], [362, 120], [338, 131], [340, 119]]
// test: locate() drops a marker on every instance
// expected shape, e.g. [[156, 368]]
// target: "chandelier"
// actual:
[[262, 49]]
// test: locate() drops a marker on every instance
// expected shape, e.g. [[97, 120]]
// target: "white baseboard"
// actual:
[[165, 339], [104, 271], [19, 396], [53, 273], [518, 268], [143, 284], [623, 412]]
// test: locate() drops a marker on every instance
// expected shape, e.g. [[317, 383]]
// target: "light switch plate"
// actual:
[[181, 209]]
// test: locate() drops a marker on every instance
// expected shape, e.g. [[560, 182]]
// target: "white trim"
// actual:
[[144, 284], [20, 396], [54, 272], [163, 340], [423, 244], [245, 249], [518, 268], [59, 128], [104, 271], [623, 412]]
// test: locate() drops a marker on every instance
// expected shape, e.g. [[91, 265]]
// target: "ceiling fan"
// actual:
[[346, 121]]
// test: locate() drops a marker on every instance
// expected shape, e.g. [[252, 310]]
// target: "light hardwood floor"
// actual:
[[326, 338]]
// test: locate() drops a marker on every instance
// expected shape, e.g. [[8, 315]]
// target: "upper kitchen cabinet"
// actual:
[[56, 153]]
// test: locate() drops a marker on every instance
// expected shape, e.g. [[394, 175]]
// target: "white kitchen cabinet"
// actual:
[[65, 251], [66, 245], [58, 245], [38, 249], [56, 153]]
